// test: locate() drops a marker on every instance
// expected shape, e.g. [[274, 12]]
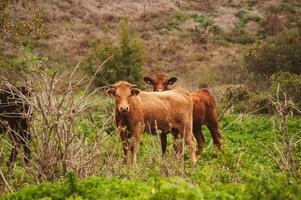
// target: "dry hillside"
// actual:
[[176, 42]]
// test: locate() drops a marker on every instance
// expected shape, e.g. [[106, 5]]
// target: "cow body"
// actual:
[[165, 112], [204, 110], [14, 120]]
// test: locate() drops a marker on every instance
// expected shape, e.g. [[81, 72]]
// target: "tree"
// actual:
[[126, 62]]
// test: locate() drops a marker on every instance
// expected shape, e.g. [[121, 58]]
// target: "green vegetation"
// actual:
[[288, 83], [125, 59], [279, 53], [175, 19], [277, 187], [246, 16], [205, 22], [242, 171]]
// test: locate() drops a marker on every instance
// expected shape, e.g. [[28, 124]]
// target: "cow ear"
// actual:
[[148, 80], [172, 80], [111, 92], [135, 91]]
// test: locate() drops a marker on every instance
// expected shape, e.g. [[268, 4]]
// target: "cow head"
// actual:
[[159, 82], [122, 92]]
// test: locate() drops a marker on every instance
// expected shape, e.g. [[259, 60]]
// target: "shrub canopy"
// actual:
[[126, 61], [279, 53]]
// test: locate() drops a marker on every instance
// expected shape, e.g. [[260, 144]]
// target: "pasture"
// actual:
[[242, 171]]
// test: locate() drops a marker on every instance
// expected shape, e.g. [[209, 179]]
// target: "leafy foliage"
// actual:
[[278, 187], [126, 63], [279, 53], [290, 84]]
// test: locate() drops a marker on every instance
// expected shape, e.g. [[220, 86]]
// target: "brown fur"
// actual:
[[136, 111], [204, 111]]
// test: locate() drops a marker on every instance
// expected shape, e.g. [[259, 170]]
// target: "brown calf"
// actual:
[[204, 110], [136, 111]]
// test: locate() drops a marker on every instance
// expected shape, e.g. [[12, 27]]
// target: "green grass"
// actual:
[[242, 171]]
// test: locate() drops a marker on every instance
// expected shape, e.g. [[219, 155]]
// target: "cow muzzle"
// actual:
[[124, 109]]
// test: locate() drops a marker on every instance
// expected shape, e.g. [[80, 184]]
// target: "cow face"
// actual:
[[159, 82], [123, 93]]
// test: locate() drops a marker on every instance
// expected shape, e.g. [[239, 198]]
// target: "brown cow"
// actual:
[[204, 110], [136, 111]]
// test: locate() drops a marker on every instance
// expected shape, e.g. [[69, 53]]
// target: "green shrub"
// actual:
[[204, 22], [247, 15], [279, 53], [260, 103], [12, 67], [235, 93], [233, 97], [126, 63], [175, 19], [277, 187], [290, 84], [239, 35], [281, 8]]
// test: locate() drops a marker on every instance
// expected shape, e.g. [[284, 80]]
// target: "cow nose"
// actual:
[[124, 109]]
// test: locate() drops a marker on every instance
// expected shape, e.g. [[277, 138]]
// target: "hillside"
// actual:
[[173, 33]]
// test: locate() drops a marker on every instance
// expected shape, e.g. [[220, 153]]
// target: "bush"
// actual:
[[233, 97], [175, 19], [279, 53], [260, 103], [235, 93], [290, 84], [247, 15], [272, 188], [126, 63], [239, 35]]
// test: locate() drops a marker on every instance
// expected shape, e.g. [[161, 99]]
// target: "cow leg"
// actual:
[[135, 141], [215, 134], [163, 137], [133, 149], [190, 142], [197, 132], [177, 145], [125, 145]]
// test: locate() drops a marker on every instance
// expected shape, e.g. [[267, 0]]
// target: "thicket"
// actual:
[[275, 62], [279, 53], [18, 34], [125, 59], [288, 84]]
